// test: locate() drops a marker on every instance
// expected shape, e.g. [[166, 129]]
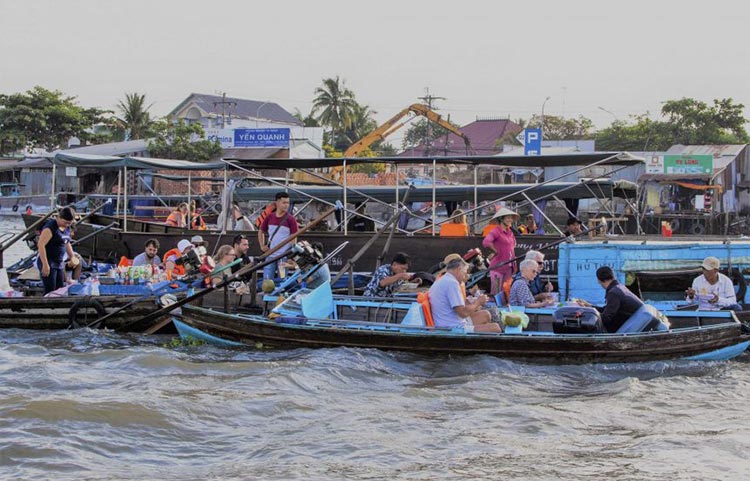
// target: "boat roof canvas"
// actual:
[[562, 160], [112, 162], [512, 192]]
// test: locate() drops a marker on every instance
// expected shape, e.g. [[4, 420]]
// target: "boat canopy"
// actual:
[[111, 162], [674, 266], [516, 161], [603, 188]]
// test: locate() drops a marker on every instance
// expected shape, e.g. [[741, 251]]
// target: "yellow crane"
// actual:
[[393, 125]]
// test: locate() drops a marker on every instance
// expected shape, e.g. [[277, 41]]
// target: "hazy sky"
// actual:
[[488, 58]]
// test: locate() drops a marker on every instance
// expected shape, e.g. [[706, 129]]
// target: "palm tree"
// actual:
[[135, 117], [362, 123], [334, 105]]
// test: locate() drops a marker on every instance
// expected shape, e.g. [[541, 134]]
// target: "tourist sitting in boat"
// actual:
[[240, 246], [712, 289], [388, 278], [530, 226], [358, 223], [171, 266], [178, 217], [573, 227], [457, 226], [53, 243], [225, 255], [149, 255], [197, 223], [277, 227], [502, 242], [450, 309], [539, 290], [620, 302], [520, 291], [241, 222]]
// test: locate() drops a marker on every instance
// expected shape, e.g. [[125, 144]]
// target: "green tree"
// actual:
[[135, 118], [422, 131], [41, 118], [181, 141], [560, 128], [307, 121], [362, 124], [686, 121], [334, 106]]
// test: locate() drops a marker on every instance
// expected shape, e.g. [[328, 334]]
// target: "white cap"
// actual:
[[184, 244]]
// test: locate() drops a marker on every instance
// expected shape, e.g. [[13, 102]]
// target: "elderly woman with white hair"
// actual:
[[520, 292]]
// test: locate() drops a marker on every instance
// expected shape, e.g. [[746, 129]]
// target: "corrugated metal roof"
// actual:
[[112, 148], [241, 108], [715, 150]]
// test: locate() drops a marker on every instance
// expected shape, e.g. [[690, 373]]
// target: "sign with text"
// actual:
[[261, 137], [689, 164], [532, 142]]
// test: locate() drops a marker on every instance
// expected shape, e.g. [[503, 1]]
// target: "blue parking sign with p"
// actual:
[[532, 142]]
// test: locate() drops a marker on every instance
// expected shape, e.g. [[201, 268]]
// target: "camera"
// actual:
[[305, 255], [193, 259]]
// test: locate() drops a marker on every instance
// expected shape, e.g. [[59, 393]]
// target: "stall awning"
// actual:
[[111, 162]]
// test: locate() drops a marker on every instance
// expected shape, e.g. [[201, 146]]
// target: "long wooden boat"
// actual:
[[426, 250], [75, 311], [693, 336]]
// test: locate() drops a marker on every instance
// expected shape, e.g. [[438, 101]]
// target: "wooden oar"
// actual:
[[234, 277]]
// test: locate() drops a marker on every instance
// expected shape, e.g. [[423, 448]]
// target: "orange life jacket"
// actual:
[[178, 270], [270, 209], [175, 219], [454, 230], [423, 298], [198, 223]]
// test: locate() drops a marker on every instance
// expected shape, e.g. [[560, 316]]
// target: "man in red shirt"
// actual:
[[277, 227]]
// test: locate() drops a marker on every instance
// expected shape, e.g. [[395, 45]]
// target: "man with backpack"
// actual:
[[277, 227]]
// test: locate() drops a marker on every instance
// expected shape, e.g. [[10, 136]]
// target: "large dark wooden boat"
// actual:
[[426, 250], [703, 336]]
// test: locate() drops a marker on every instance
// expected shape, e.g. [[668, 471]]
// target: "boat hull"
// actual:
[[57, 312], [426, 250], [534, 347]]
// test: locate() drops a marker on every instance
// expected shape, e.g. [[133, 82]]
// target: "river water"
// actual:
[[98, 405]]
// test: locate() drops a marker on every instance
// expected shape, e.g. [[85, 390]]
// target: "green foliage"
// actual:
[[181, 141], [560, 128], [307, 121], [41, 118], [362, 123], [334, 106], [177, 342], [687, 122], [135, 119], [421, 131]]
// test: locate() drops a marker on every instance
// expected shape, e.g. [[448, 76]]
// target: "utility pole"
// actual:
[[428, 99], [224, 103]]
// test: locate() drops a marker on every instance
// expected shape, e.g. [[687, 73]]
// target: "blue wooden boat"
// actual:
[[317, 319]]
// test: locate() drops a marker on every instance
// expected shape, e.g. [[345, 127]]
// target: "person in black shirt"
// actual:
[[573, 227], [620, 302], [53, 244]]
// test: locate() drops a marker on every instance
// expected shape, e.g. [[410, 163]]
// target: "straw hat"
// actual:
[[504, 211], [450, 257], [710, 263]]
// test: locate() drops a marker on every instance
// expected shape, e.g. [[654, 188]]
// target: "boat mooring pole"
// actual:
[[434, 208]]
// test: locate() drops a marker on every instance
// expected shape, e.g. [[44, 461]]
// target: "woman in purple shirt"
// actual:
[[502, 242]]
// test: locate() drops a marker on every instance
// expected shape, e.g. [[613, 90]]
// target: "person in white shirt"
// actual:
[[713, 290]]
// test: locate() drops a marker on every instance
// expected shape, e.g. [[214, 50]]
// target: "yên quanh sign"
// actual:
[[261, 137]]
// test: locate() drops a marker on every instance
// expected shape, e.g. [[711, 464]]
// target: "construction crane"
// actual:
[[393, 125]]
